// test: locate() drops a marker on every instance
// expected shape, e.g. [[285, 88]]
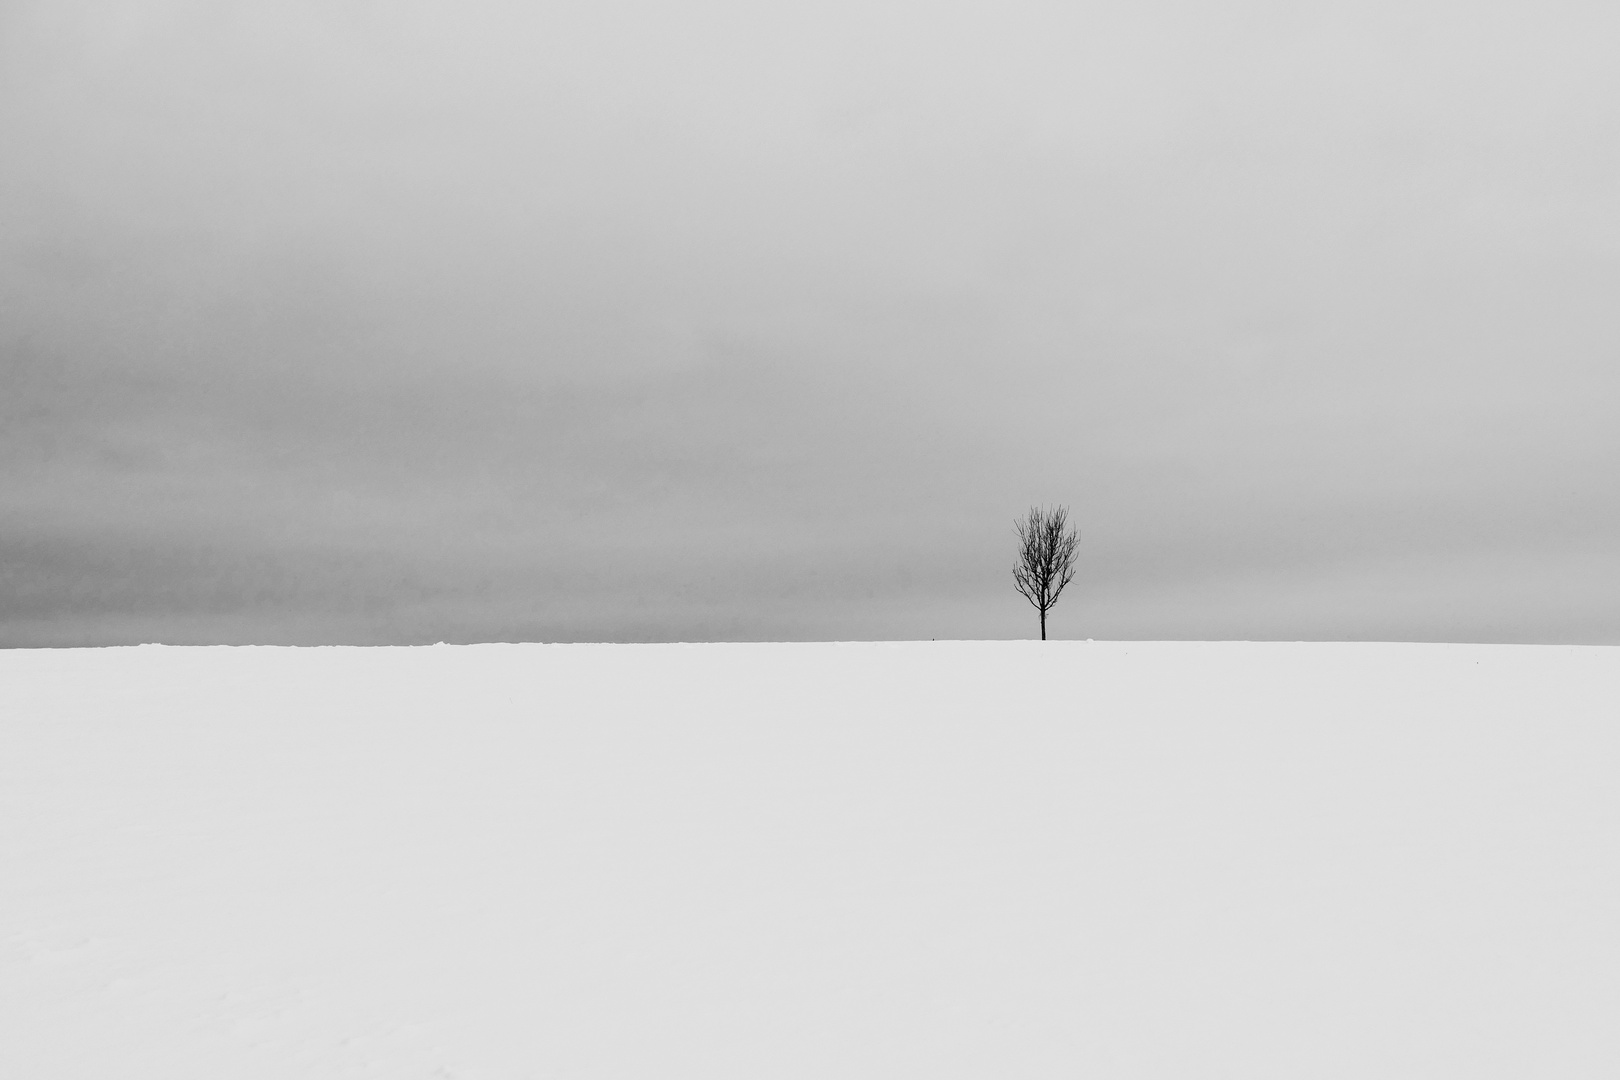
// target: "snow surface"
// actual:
[[930, 860]]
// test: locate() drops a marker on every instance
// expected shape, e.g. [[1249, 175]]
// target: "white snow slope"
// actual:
[[987, 860]]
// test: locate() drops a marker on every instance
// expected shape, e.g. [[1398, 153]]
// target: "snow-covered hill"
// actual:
[[920, 860]]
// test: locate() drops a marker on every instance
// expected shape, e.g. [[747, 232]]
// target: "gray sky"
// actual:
[[366, 322]]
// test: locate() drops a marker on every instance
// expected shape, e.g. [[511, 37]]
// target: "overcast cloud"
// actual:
[[365, 322]]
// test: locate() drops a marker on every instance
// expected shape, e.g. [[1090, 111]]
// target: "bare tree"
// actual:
[[1046, 550]]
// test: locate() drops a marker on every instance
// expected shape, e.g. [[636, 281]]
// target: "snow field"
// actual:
[[955, 859]]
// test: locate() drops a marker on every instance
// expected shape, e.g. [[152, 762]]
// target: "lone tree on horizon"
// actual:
[[1046, 550]]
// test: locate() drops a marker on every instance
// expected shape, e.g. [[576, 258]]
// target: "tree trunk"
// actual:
[[1043, 624]]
